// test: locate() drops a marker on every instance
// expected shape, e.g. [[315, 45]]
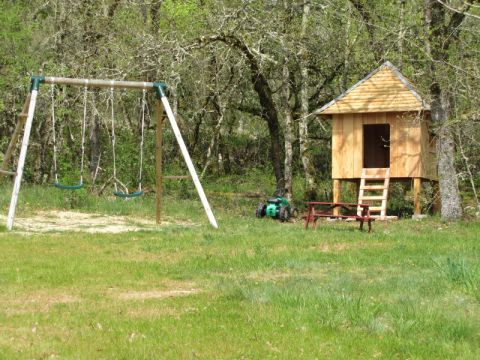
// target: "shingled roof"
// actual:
[[383, 90]]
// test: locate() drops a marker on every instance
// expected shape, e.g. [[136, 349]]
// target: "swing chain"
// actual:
[[115, 180], [54, 137], [84, 125], [142, 139]]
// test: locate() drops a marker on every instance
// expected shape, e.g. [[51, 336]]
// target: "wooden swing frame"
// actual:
[[162, 105]]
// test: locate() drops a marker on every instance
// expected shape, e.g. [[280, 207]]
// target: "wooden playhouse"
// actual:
[[381, 131]]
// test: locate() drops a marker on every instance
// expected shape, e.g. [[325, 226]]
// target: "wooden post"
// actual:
[[16, 134], [357, 188], [337, 186], [360, 210], [158, 161], [417, 190], [21, 159]]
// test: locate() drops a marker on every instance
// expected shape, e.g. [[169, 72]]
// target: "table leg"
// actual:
[[308, 218]]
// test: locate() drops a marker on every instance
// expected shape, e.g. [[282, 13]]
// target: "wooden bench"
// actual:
[[319, 209]]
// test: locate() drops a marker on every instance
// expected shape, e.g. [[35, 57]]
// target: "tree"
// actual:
[[442, 32], [305, 154], [265, 96]]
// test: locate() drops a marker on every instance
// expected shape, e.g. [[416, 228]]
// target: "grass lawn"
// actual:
[[253, 289]]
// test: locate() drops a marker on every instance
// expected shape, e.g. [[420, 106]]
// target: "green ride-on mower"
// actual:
[[276, 208]]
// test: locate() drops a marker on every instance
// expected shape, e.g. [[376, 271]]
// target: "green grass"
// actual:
[[257, 288]]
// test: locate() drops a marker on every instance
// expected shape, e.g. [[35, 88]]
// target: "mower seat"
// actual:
[[274, 201]]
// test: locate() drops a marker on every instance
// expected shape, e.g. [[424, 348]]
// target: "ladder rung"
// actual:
[[376, 208], [5, 172], [373, 176], [377, 197], [375, 171], [373, 187]]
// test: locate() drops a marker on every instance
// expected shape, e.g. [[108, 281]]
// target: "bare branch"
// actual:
[[463, 11]]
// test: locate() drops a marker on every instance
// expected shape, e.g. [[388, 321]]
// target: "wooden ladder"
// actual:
[[371, 182]]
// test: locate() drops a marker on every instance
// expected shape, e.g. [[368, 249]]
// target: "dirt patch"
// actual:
[[36, 302], [168, 289], [156, 294], [56, 220], [161, 311]]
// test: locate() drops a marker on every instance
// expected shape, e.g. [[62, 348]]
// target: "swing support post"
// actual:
[[35, 85], [160, 89], [14, 140], [158, 161]]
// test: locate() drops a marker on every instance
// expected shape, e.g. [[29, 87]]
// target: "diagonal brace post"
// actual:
[[160, 89], [35, 84]]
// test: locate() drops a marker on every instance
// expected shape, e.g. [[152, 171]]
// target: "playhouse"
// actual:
[[381, 127]]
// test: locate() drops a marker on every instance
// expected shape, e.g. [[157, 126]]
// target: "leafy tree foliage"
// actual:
[[228, 64]]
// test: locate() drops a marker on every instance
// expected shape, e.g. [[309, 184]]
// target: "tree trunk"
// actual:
[[305, 155], [450, 195], [265, 97], [367, 16], [91, 40], [220, 107], [439, 37], [155, 15], [401, 32], [224, 149], [346, 55], [289, 138]]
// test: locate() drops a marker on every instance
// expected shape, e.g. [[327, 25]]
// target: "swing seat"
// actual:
[[125, 195], [68, 187]]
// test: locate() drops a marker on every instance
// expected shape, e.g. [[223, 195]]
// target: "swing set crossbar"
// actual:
[[97, 83], [6, 172]]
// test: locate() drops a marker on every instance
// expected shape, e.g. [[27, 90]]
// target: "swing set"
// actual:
[[26, 120]]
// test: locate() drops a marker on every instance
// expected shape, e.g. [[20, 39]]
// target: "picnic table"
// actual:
[[321, 209]]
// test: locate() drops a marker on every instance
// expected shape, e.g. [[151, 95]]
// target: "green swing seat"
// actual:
[[68, 187], [125, 195]]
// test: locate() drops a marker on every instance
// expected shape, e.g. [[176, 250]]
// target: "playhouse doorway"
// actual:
[[376, 146]]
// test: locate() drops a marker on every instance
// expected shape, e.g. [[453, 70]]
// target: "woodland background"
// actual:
[[244, 78]]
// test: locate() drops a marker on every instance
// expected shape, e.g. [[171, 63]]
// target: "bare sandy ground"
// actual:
[[56, 220]]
